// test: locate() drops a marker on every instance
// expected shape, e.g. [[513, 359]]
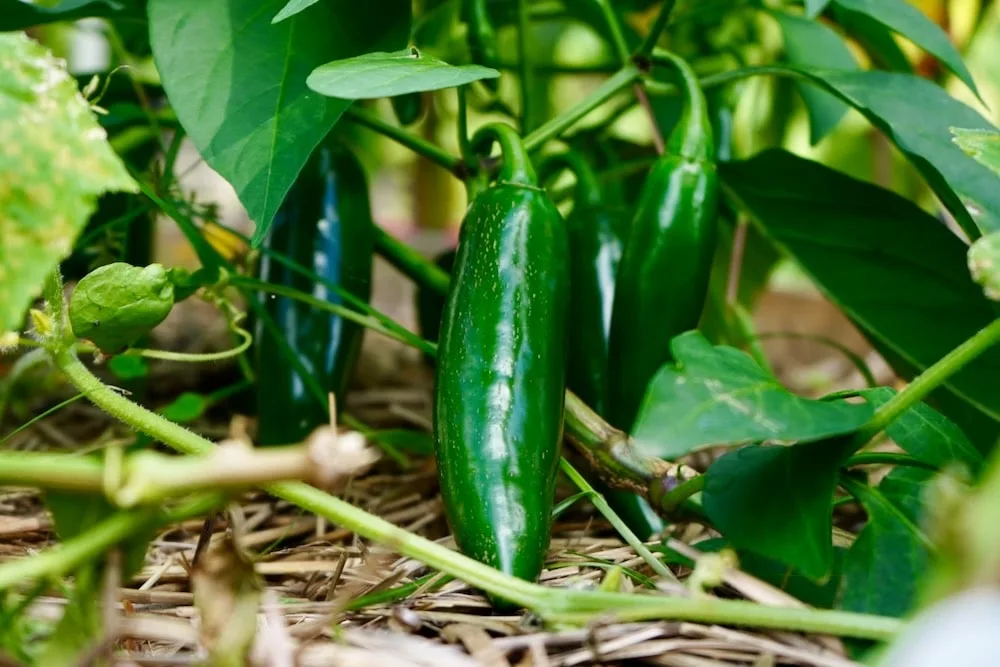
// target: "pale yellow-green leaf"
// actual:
[[54, 162]]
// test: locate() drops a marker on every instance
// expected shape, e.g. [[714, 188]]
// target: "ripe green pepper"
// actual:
[[499, 393], [596, 232], [664, 272], [325, 225]]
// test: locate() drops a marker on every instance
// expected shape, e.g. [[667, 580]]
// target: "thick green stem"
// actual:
[[555, 127], [668, 503], [410, 262], [932, 378], [404, 138], [615, 28], [51, 471], [525, 68], [646, 48]]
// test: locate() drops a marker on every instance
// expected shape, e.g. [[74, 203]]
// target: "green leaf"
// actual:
[[905, 18], [54, 162], [186, 408], [888, 560], [720, 396], [984, 264], [76, 513], [815, 7], [875, 37], [981, 145], [896, 271], [810, 44], [375, 75], [926, 434], [116, 304], [922, 133], [292, 8], [18, 14], [238, 83], [777, 501], [127, 367]]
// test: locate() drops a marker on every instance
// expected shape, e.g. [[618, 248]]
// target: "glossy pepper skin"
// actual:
[[664, 272], [596, 240], [325, 226], [499, 392]]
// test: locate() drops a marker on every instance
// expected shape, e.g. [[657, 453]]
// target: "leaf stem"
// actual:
[[404, 138], [887, 458], [932, 378], [646, 48], [615, 28], [410, 262], [555, 127]]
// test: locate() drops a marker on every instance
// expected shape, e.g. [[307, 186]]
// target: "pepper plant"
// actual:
[[623, 328]]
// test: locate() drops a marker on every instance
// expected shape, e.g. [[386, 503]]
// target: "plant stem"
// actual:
[[552, 604], [403, 137], [464, 147], [410, 262], [201, 357], [887, 458], [646, 48], [525, 68], [555, 127], [626, 533], [51, 471], [932, 378], [669, 502], [615, 28]]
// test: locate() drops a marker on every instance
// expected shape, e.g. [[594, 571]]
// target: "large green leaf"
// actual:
[[54, 162], [718, 395], [238, 83], [886, 564], [896, 271], [811, 44], [777, 501], [375, 75], [878, 40], [922, 133], [18, 14], [815, 7], [292, 8], [905, 18], [926, 434]]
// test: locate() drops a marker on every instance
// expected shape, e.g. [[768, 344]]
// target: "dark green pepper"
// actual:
[[500, 389], [664, 272], [325, 225], [408, 108], [596, 232]]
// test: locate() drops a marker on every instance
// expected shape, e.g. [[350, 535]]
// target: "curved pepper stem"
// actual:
[[692, 136], [516, 166], [588, 190]]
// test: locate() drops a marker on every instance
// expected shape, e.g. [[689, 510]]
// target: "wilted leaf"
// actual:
[[54, 162]]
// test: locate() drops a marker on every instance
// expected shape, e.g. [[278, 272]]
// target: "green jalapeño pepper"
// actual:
[[664, 272], [324, 225], [596, 232], [500, 387]]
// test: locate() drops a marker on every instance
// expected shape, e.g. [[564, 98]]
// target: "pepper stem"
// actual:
[[516, 167], [588, 190], [692, 136]]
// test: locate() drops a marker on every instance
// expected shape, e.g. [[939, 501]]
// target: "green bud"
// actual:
[[117, 304]]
